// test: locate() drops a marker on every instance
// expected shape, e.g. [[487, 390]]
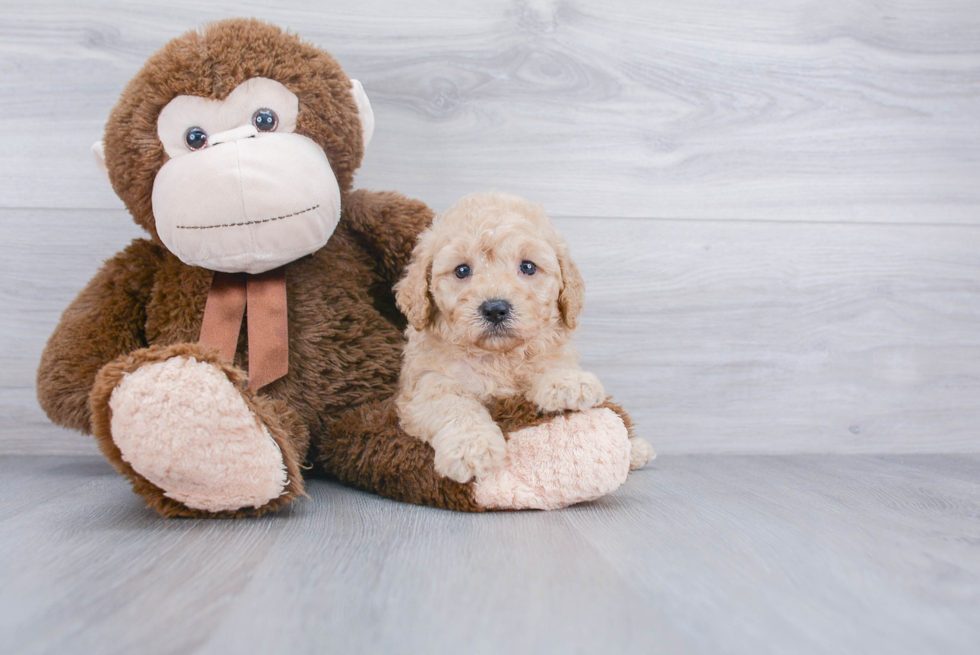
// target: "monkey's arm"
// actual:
[[387, 224], [105, 321]]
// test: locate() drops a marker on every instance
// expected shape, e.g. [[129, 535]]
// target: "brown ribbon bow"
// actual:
[[268, 330]]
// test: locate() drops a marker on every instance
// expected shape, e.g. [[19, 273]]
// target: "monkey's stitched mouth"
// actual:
[[264, 220]]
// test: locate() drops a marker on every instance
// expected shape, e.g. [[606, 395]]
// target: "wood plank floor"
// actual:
[[703, 554]]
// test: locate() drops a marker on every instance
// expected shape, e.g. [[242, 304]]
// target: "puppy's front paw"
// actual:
[[567, 390], [641, 452], [461, 455]]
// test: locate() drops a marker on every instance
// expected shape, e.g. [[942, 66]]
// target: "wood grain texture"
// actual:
[[817, 289], [830, 111], [775, 338], [804, 553], [699, 554], [717, 336]]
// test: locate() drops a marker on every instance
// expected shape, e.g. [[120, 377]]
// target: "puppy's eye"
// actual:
[[463, 271], [195, 138], [528, 268]]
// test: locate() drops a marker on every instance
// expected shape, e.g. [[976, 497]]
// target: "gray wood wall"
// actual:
[[775, 203]]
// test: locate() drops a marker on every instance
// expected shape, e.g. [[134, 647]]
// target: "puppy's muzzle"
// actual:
[[495, 312]]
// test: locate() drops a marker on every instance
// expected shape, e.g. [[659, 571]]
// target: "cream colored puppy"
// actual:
[[492, 298]]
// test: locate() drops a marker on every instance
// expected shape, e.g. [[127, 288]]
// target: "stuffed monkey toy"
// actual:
[[254, 334]]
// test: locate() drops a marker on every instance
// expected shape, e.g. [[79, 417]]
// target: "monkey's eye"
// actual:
[[463, 271], [265, 120], [528, 268], [195, 138]]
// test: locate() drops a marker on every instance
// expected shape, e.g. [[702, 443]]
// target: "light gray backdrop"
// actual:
[[774, 202]]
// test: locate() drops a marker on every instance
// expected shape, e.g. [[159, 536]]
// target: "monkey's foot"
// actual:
[[572, 458], [182, 424]]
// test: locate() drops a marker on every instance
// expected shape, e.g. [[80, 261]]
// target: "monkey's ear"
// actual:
[[98, 151], [412, 291], [364, 111], [571, 298]]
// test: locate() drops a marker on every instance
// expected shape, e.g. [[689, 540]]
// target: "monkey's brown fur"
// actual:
[[345, 333]]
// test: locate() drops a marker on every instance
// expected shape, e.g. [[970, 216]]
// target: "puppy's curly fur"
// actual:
[[492, 298]]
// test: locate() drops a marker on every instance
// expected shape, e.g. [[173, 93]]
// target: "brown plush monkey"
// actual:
[[235, 148]]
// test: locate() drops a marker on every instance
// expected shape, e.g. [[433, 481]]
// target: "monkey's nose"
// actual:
[[243, 132], [495, 311]]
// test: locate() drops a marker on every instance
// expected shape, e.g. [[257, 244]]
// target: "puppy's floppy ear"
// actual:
[[412, 291], [571, 298]]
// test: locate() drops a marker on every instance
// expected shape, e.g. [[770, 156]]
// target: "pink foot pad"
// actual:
[[572, 459], [184, 426]]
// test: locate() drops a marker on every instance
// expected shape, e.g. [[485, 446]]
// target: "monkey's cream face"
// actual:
[[241, 191], [496, 288]]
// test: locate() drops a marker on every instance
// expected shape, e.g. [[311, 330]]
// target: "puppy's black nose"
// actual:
[[495, 311]]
